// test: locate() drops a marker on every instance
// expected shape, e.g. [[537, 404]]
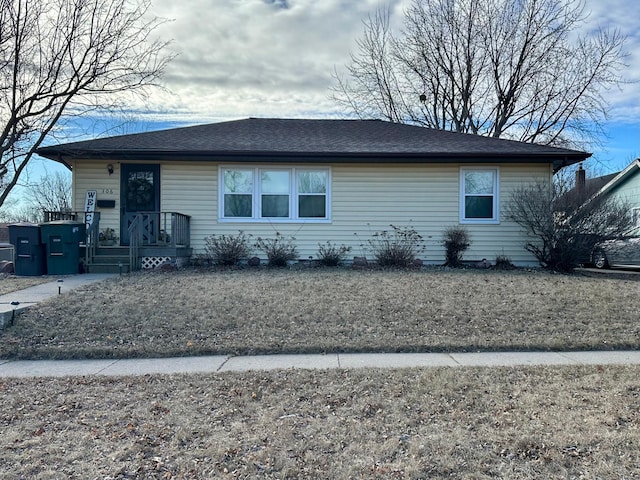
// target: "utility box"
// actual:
[[29, 252], [62, 243]]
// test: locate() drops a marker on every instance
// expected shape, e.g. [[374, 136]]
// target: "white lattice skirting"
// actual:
[[149, 263]]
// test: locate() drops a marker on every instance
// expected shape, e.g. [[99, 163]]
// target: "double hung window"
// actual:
[[479, 189], [275, 194]]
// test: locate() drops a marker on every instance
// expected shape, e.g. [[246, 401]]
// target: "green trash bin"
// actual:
[[62, 242], [29, 252]]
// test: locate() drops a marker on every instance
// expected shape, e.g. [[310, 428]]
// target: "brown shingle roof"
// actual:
[[310, 140]]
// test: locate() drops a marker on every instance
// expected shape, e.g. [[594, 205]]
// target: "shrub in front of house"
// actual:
[[279, 250], [456, 241], [504, 263], [331, 255], [227, 249], [398, 247]]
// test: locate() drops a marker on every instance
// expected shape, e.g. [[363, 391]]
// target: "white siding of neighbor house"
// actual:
[[365, 198], [629, 190]]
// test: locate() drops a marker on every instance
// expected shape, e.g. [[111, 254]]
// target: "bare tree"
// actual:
[[500, 68], [62, 58], [53, 194], [564, 225]]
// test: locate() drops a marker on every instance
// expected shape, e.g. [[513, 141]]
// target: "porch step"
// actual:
[[108, 268], [110, 260], [118, 251]]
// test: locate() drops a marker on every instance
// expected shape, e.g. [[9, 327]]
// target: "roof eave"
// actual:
[[559, 160]]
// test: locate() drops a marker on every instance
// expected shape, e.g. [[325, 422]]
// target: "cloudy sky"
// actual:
[[275, 58]]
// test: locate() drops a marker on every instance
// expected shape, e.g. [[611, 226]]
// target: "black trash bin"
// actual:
[[62, 242], [29, 252]]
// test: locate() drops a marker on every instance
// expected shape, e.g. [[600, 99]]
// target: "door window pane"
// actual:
[[140, 192]]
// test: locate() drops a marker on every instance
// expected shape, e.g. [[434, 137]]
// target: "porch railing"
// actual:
[[91, 239], [170, 229], [165, 229], [135, 240], [50, 216]]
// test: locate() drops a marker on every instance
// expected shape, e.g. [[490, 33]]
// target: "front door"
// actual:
[[140, 192]]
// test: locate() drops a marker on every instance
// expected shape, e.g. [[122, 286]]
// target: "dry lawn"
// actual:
[[11, 283], [195, 312], [510, 423]]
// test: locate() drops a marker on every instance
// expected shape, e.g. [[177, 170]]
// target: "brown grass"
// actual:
[[11, 283], [328, 310], [480, 423]]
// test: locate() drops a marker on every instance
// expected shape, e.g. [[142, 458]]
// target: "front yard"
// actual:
[[198, 312], [481, 423]]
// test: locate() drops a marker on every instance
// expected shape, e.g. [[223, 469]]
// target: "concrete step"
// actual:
[[119, 251], [108, 268], [115, 259]]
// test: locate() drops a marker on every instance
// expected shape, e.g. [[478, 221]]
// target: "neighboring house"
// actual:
[[316, 180], [625, 186]]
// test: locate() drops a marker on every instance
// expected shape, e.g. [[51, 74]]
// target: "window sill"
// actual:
[[465, 221], [274, 220]]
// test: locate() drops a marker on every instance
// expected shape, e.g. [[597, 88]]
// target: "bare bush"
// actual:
[[227, 249], [396, 248], [564, 225], [279, 250], [456, 241], [331, 255]]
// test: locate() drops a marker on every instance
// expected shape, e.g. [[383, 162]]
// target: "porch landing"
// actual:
[[116, 259]]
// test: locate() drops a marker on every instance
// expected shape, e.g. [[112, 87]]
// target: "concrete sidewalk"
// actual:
[[222, 363], [14, 302]]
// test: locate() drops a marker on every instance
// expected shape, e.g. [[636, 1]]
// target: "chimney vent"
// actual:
[[581, 178]]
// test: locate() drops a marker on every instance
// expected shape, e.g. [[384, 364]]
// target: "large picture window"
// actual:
[[275, 194], [479, 195]]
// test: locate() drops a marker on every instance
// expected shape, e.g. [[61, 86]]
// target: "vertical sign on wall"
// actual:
[[89, 207]]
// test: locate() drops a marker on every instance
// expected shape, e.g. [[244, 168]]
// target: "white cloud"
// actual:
[[257, 57], [624, 16], [240, 58]]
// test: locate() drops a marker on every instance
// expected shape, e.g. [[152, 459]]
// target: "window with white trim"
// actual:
[[275, 194], [635, 215], [479, 189]]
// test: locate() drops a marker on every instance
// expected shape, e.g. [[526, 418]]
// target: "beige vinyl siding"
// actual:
[[188, 188], [93, 175], [364, 199], [191, 189], [369, 198]]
